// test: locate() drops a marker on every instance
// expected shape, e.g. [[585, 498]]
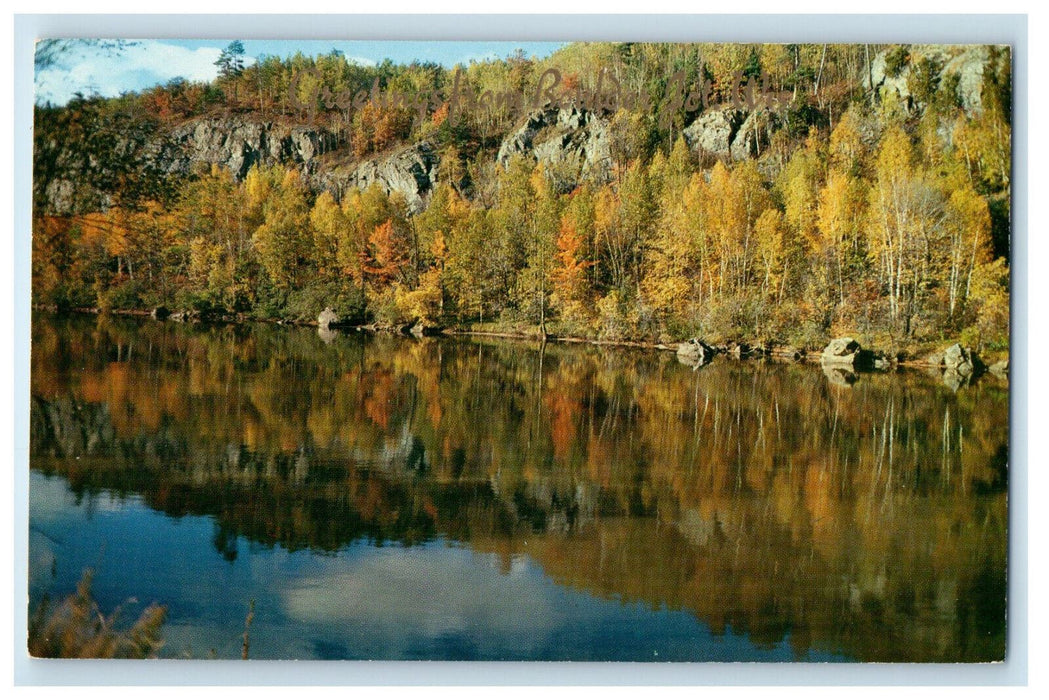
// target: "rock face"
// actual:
[[410, 171], [327, 318], [572, 143], [694, 352], [967, 63], [712, 132], [728, 132], [841, 351], [753, 135], [61, 197], [68, 180], [238, 144]]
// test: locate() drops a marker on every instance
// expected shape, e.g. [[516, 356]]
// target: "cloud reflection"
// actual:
[[429, 596]]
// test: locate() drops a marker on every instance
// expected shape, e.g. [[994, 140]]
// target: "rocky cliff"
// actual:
[[79, 173], [410, 171], [966, 64], [238, 144], [573, 145]]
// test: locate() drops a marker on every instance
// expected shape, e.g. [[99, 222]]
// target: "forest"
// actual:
[[879, 210]]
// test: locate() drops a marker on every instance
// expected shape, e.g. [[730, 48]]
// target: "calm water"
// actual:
[[396, 498]]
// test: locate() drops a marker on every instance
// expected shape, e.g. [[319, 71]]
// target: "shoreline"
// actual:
[[781, 353]]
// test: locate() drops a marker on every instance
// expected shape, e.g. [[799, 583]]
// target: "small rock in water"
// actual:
[[843, 351], [958, 359], [694, 352]]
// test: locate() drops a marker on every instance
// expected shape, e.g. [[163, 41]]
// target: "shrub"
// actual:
[[77, 629], [344, 298], [123, 295], [895, 61]]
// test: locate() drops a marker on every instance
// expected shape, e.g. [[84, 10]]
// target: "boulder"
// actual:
[[327, 318], [421, 329], [959, 359], [841, 351], [1000, 369], [694, 352], [883, 363], [786, 352], [739, 350]]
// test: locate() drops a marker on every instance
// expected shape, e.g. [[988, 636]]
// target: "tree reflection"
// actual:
[[759, 496]]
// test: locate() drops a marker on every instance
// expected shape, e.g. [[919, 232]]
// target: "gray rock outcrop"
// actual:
[[238, 144], [753, 135], [967, 63], [572, 143], [410, 171], [714, 131]]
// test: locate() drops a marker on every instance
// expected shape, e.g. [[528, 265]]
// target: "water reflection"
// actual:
[[757, 498]]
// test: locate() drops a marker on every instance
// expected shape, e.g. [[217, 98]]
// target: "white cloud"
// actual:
[[90, 70], [360, 61]]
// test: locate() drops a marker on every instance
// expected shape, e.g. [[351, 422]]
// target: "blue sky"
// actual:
[[90, 69]]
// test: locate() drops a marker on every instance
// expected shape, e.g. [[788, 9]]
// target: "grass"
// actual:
[[76, 628]]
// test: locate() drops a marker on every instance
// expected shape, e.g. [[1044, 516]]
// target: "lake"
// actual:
[[377, 497]]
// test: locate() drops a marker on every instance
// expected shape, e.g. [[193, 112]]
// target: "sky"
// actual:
[[109, 70]]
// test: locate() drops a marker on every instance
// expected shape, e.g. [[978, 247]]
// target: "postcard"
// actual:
[[532, 351]]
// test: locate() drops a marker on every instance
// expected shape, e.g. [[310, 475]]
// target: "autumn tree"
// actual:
[[282, 242], [840, 223], [329, 225]]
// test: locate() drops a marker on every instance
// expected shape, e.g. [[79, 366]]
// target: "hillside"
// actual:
[[768, 193]]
